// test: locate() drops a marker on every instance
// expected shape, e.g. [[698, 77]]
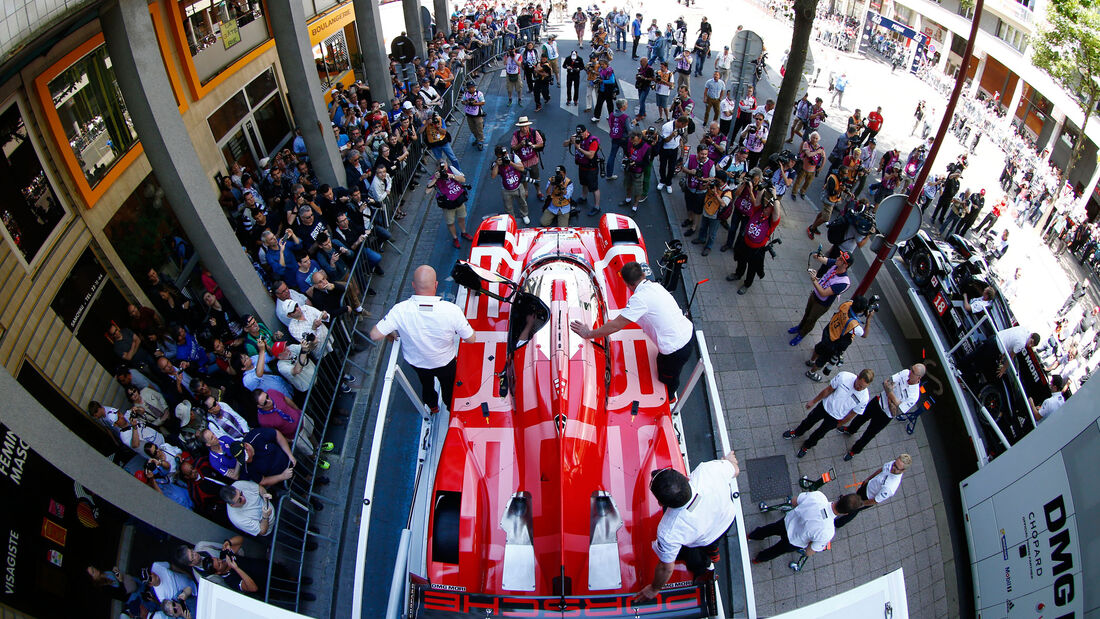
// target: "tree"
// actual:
[[1068, 49], [804, 13]]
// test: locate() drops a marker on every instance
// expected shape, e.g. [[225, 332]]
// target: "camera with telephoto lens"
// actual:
[[501, 154], [873, 303], [770, 247]]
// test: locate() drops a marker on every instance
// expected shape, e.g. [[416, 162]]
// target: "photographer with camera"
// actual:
[[528, 143], [543, 74], [608, 90], [510, 168], [662, 89], [585, 147], [756, 241], [831, 196], [747, 199], [592, 77], [716, 203], [715, 141], [684, 61], [852, 319], [559, 199], [635, 162], [698, 172], [451, 196], [672, 135], [753, 137], [473, 103], [816, 117], [438, 140], [682, 105], [618, 124], [826, 288], [573, 66], [512, 63], [745, 108]]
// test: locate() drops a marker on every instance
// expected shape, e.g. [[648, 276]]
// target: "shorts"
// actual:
[[532, 170], [589, 177], [827, 208], [450, 214], [662, 100], [694, 202]]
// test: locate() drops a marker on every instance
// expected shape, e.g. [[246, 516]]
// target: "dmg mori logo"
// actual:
[[1060, 558]]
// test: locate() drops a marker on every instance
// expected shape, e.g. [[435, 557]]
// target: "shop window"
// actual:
[[221, 32], [316, 7], [253, 123], [93, 114], [29, 206], [331, 58], [146, 234], [87, 302]]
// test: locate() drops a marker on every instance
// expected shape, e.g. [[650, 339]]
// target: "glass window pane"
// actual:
[[331, 57], [259, 88], [272, 123], [220, 32], [146, 233], [28, 204], [92, 111], [228, 115]]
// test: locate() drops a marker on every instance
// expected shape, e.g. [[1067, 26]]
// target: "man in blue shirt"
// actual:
[[636, 32], [263, 456]]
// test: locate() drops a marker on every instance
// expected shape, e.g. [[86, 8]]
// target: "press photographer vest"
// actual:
[[510, 177], [579, 157], [841, 323], [759, 229], [703, 170], [450, 193], [526, 153], [558, 202], [742, 202]]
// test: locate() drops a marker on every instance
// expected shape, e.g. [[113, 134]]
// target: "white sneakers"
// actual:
[[668, 188], [660, 186], [526, 220]]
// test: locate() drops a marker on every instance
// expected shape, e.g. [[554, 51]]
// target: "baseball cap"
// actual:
[[288, 306], [845, 255], [236, 449]]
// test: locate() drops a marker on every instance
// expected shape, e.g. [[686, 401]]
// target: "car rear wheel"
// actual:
[[920, 267]]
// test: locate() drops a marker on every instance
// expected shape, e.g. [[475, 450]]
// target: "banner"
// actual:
[[54, 530]]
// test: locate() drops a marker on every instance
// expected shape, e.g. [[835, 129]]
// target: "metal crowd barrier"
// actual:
[[292, 533]]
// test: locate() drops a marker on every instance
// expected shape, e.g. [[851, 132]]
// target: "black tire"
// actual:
[[991, 397], [920, 267]]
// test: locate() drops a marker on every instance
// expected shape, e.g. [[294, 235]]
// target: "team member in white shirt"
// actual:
[[653, 309], [808, 528], [990, 359], [248, 506], [698, 512], [844, 398], [427, 326], [977, 306], [899, 393], [880, 486], [1051, 404]]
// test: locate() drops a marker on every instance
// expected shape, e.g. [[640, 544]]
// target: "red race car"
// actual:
[[539, 503]]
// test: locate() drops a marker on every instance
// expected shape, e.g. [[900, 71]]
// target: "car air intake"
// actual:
[[624, 235], [519, 549], [604, 568]]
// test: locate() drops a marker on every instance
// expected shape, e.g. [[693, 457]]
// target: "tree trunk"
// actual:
[[804, 13], [1075, 156]]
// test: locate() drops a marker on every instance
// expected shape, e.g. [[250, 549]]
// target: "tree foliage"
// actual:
[[804, 13], [1068, 49]]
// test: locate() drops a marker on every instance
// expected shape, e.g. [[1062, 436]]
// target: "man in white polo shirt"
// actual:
[[844, 398], [899, 393], [653, 309], [807, 528], [880, 486], [427, 326], [698, 512], [1051, 404], [993, 355]]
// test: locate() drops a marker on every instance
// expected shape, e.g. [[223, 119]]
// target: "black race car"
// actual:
[[941, 272]]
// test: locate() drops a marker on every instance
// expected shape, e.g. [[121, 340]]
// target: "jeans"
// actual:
[[643, 94], [612, 156], [949, 223], [620, 40], [708, 229], [700, 59], [440, 151], [738, 222]]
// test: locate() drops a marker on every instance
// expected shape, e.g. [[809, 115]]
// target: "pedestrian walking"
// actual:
[[837, 404], [878, 487], [429, 328], [900, 393], [698, 511], [807, 529]]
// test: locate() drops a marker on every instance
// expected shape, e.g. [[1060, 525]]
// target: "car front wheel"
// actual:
[[920, 267]]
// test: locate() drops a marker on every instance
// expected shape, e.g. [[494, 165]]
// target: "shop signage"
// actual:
[[231, 33], [326, 25]]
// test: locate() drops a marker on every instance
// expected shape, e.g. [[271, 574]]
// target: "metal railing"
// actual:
[[292, 532]]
